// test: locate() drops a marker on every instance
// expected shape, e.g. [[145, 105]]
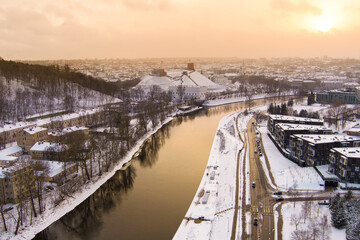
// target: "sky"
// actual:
[[78, 29]]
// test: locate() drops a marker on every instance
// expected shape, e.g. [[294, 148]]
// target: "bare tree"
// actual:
[[295, 220]]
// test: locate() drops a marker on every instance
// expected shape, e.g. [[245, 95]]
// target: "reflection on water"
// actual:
[[167, 171]]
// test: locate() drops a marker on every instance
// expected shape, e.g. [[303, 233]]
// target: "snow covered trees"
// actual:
[[345, 212]]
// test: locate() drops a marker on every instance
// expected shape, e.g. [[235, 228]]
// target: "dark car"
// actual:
[[278, 193], [253, 184], [279, 199], [255, 221]]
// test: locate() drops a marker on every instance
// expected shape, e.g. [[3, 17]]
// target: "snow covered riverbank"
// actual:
[[52, 214], [211, 212]]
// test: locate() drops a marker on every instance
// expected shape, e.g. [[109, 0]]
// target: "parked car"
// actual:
[[253, 184], [255, 221], [279, 199], [277, 193]]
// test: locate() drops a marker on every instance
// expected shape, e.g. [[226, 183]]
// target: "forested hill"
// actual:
[[53, 77], [28, 89]]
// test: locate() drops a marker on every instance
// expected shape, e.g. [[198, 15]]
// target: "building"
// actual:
[[191, 66], [159, 72], [54, 136], [57, 170], [345, 163], [189, 92], [347, 96], [45, 151], [284, 130], [274, 119], [353, 131], [29, 136], [8, 132], [16, 183], [313, 149]]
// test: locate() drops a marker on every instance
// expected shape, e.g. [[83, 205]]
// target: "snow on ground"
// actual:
[[52, 213], [288, 212], [316, 107], [286, 173], [217, 102], [218, 209]]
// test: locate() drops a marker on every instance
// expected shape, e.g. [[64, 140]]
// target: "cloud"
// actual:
[[148, 4], [299, 7]]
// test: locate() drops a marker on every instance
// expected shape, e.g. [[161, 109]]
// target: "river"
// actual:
[[149, 198]]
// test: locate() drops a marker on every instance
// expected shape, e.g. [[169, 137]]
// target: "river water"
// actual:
[[149, 198]]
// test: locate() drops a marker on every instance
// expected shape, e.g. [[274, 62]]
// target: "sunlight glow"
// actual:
[[324, 24]]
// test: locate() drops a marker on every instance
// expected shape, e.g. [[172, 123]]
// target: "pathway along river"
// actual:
[[148, 199]]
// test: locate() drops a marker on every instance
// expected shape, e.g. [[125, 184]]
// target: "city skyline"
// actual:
[[178, 28]]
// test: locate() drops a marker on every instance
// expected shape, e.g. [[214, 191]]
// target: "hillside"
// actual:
[[28, 89]]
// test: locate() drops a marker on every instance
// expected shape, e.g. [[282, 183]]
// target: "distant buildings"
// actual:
[[343, 96]]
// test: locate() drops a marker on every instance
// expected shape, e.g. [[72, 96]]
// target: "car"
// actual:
[[253, 184], [49, 187], [255, 221], [255, 151], [279, 199], [260, 154], [277, 193]]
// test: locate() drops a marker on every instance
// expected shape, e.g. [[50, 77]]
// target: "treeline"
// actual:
[[53, 77], [94, 154], [271, 85], [27, 89]]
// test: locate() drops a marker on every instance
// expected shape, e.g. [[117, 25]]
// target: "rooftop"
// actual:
[[321, 138], [294, 126], [45, 146], [293, 118], [353, 152], [33, 130]]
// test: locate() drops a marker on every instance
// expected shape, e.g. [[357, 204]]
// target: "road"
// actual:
[[262, 201]]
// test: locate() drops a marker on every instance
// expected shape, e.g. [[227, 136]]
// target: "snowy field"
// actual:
[[286, 173], [315, 220]]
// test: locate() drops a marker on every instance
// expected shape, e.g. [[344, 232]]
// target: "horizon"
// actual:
[[142, 29]]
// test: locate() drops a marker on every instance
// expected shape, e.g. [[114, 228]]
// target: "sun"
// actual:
[[324, 24]]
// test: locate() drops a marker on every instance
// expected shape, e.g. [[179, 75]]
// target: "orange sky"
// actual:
[[67, 29]]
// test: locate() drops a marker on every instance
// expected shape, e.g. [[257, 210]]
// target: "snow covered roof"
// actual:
[[316, 138], [33, 130], [294, 126], [55, 167], [7, 158], [12, 126], [67, 130], [351, 152], [10, 150], [178, 77], [293, 118], [45, 146]]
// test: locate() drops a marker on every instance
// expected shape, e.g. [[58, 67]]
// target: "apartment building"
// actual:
[[29, 136], [8, 132], [275, 119], [54, 136], [345, 163], [283, 131], [16, 182], [313, 149]]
